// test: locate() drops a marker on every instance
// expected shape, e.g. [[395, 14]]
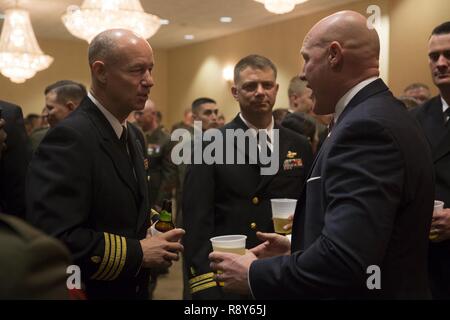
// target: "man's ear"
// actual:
[[70, 105], [99, 71], [276, 88], [335, 54], [234, 92]]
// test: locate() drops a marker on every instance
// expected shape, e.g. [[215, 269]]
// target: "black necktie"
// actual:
[[124, 143], [124, 138], [268, 141], [447, 117]]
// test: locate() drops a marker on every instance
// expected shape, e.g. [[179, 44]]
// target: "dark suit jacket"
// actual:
[[431, 118], [221, 199], [368, 201], [81, 189], [14, 162], [32, 264]]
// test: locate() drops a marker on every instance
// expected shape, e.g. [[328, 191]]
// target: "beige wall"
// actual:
[[411, 24], [185, 73], [196, 70], [70, 62]]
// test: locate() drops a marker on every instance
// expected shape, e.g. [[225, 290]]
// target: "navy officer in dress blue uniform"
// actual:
[[434, 117], [87, 180], [366, 208], [223, 199]]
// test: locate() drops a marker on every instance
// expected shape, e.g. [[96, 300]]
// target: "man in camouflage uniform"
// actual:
[[158, 148]]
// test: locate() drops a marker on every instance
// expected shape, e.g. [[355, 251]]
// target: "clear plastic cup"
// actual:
[[438, 205], [230, 243], [281, 210]]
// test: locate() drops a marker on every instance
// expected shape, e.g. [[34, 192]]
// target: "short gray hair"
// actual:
[[102, 47], [254, 61]]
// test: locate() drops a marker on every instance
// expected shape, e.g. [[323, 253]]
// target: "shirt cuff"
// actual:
[[248, 282]]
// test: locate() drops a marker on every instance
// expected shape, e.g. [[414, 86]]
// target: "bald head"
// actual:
[[148, 120], [339, 51], [149, 106], [107, 44], [121, 65], [350, 30]]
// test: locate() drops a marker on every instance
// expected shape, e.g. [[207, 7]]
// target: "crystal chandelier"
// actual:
[[96, 16], [20, 55], [280, 6]]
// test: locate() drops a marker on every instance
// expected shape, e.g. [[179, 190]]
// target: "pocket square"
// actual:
[[312, 179]]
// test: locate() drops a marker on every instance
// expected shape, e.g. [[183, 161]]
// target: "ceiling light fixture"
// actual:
[[280, 6], [20, 54], [226, 19], [96, 16]]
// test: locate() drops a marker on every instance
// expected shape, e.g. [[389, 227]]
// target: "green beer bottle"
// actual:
[[165, 222]]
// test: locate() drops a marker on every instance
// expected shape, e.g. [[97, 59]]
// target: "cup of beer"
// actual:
[[281, 210], [438, 206], [231, 243], [234, 243]]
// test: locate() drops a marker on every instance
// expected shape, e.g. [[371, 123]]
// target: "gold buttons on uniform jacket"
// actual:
[[255, 200], [253, 226]]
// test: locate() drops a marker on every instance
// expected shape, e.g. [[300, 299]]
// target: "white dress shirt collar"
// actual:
[[269, 129], [346, 98], [254, 130], [444, 104], [115, 124]]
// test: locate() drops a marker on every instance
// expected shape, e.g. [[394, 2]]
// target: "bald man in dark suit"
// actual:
[[365, 211]]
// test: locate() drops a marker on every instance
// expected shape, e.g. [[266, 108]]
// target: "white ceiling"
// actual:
[[197, 17]]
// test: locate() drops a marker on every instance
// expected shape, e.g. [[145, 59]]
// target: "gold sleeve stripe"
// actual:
[[116, 259], [204, 286], [122, 259], [201, 282], [201, 277], [112, 256], [105, 257]]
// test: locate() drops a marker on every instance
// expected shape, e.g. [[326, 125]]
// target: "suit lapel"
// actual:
[[137, 156], [432, 119], [111, 145], [371, 89], [122, 164], [443, 147]]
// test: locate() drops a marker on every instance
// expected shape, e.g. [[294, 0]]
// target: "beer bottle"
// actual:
[[165, 217]]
